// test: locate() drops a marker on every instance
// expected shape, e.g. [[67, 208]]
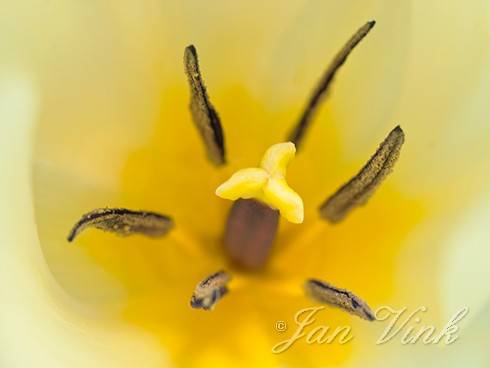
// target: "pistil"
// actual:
[[261, 194], [250, 233]]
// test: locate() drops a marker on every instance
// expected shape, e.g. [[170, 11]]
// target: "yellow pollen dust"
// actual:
[[267, 183]]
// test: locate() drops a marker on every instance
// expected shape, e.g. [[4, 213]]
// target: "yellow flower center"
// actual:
[[153, 280]]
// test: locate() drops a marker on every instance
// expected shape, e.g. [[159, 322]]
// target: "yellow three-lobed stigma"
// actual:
[[267, 183]]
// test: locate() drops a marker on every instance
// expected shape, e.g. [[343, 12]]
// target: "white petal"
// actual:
[[465, 274], [41, 326]]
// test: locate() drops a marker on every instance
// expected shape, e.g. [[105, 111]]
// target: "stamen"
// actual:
[[203, 113], [210, 290], [123, 222], [339, 298], [362, 186], [299, 131]]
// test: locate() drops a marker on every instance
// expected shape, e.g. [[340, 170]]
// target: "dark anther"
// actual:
[[339, 298], [204, 115], [321, 90], [123, 222]]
